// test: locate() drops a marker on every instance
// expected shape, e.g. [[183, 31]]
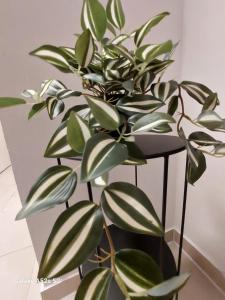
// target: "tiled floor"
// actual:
[[18, 266]]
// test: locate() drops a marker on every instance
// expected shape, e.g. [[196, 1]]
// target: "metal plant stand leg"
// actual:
[[136, 175]]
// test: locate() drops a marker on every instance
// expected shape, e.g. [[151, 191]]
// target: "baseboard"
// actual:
[[70, 283]]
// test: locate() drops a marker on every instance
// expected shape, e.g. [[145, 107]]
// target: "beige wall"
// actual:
[[27, 24], [4, 154]]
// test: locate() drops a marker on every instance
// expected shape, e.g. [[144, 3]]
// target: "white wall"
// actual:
[[203, 60], [26, 24]]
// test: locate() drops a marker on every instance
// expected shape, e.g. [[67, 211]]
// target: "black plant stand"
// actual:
[[152, 146]]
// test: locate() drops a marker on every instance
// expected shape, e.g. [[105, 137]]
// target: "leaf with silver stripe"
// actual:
[[146, 28], [102, 153], [129, 208], [78, 132], [144, 81], [195, 171], [164, 128], [211, 120], [95, 285], [115, 13], [85, 48], [82, 110], [139, 104], [164, 90], [73, 238], [173, 105], [55, 186], [203, 139], [137, 269], [64, 94], [96, 78], [211, 102], [94, 18], [151, 121], [122, 51], [55, 107], [101, 181], [58, 146], [119, 39], [51, 87], [105, 113], [196, 90], [135, 155]]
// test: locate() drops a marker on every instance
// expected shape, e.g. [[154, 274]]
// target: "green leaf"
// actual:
[[8, 101], [203, 139], [211, 102], [82, 110], [94, 18], [111, 28], [151, 121], [55, 107], [36, 108], [139, 104], [164, 90], [85, 48], [169, 287], [54, 56], [195, 172], [101, 181], [78, 132], [148, 53], [104, 113], [97, 78], [74, 236], [211, 120], [135, 155], [55, 186], [137, 269], [143, 81], [220, 150], [121, 51], [146, 28], [119, 39], [196, 90], [164, 128], [58, 146], [115, 13], [130, 209], [101, 154], [95, 285], [173, 105]]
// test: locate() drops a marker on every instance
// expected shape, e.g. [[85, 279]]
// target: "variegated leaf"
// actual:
[[135, 155], [36, 108], [211, 120], [137, 270], [119, 39], [97, 78], [115, 13], [51, 87], [95, 285], [102, 153], [121, 51], [9, 101], [104, 113], [203, 139], [55, 186], [143, 81], [164, 90], [64, 94], [196, 171], [58, 145], [101, 181], [148, 53], [94, 18], [139, 104], [82, 110], [130, 209], [211, 102], [145, 29], [196, 90], [111, 28], [85, 48], [74, 236], [220, 150], [78, 132], [151, 121], [164, 128], [55, 107], [173, 105]]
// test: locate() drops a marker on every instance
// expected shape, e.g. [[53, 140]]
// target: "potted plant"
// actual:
[[124, 96]]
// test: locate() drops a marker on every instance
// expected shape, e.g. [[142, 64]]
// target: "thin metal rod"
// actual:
[[136, 175]]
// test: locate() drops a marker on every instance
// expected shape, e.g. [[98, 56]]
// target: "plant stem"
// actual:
[[182, 108]]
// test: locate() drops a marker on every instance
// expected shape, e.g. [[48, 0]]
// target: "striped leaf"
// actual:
[[55, 107], [51, 87], [64, 94], [135, 155], [195, 171], [211, 120], [164, 90], [211, 102], [203, 139], [151, 121], [173, 105], [130, 209], [143, 81], [95, 285], [137, 269], [74, 236], [148, 53], [101, 181], [196, 90], [115, 13], [139, 104], [55, 186], [78, 132], [104, 113], [121, 51], [97, 78], [94, 18], [36, 108], [164, 128], [85, 48], [8, 101], [146, 28], [220, 150], [54, 56], [82, 110], [119, 39], [101, 154], [58, 146], [111, 28]]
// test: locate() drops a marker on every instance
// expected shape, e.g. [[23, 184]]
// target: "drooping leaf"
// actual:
[[146, 28], [137, 269], [82, 110], [203, 139], [139, 104], [95, 285], [55, 107], [64, 94], [104, 113], [8, 101], [196, 90], [211, 102], [36, 108], [84, 48], [211, 120], [74, 236], [196, 171], [173, 105], [135, 155], [130, 209], [151, 121], [51, 87], [163, 128], [102, 153], [58, 146], [94, 18], [115, 13], [55, 186], [78, 132], [164, 90]]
